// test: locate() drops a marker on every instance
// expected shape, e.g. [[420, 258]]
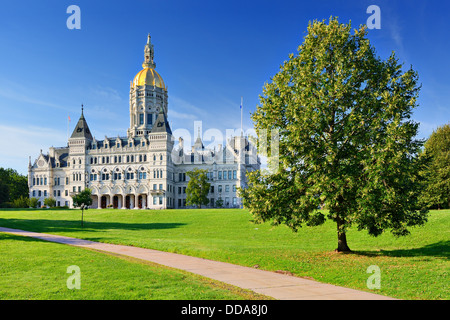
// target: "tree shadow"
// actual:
[[49, 226], [440, 249]]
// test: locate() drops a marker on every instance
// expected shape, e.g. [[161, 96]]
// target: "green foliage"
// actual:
[[437, 173], [82, 198], [21, 202], [346, 138], [33, 202], [50, 202], [12, 185], [197, 188], [219, 203]]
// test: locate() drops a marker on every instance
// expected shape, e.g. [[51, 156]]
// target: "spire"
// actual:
[[149, 54], [82, 128]]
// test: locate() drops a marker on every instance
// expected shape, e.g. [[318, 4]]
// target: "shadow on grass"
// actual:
[[439, 249], [49, 226]]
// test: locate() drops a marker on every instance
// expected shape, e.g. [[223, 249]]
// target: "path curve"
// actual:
[[278, 286]]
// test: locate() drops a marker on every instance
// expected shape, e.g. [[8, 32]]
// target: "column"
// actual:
[[99, 201], [144, 201], [136, 201]]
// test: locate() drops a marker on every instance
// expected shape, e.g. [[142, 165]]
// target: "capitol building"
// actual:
[[144, 169]]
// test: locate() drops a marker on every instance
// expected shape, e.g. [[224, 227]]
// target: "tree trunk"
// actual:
[[342, 238]]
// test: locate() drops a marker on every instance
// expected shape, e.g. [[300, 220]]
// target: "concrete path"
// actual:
[[278, 286]]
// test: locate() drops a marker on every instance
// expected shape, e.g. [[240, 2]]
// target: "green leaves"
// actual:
[[346, 138], [82, 198], [197, 188], [437, 172]]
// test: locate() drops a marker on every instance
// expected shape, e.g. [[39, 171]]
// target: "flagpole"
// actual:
[[242, 107]]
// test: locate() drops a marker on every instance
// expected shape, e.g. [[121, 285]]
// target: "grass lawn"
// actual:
[[413, 267], [32, 269]]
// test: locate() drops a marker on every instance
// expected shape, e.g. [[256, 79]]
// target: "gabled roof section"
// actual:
[[161, 124], [82, 129]]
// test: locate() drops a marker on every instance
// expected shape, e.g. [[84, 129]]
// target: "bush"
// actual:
[[50, 202], [21, 202], [33, 202]]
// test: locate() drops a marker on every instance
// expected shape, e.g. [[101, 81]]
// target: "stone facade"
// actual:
[[142, 169]]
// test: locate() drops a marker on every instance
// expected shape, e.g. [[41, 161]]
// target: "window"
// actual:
[[59, 193], [227, 188], [184, 189], [154, 186], [149, 119], [54, 193], [219, 187], [141, 118], [154, 200], [234, 201], [225, 175], [67, 180], [66, 192], [229, 174], [179, 190], [160, 186], [34, 193], [234, 188], [45, 193], [220, 175], [39, 193], [79, 189], [34, 181], [212, 189], [234, 174], [160, 200], [142, 175]]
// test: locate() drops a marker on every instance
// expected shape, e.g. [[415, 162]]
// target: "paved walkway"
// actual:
[[278, 286]]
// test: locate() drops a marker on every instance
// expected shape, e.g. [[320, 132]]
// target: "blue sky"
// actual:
[[209, 53]]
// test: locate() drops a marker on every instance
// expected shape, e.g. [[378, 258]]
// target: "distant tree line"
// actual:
[[13, 189]]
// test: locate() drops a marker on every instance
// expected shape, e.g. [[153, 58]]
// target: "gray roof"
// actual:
[[161, 124], [82, 129]]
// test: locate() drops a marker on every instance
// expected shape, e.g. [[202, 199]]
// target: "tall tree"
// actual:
[[437, 173], [346, 140], [197, 188]]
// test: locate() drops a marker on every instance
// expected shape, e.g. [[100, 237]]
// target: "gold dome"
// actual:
[[148, 76]]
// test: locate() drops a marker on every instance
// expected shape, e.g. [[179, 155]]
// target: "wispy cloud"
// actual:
[[23, 142]]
